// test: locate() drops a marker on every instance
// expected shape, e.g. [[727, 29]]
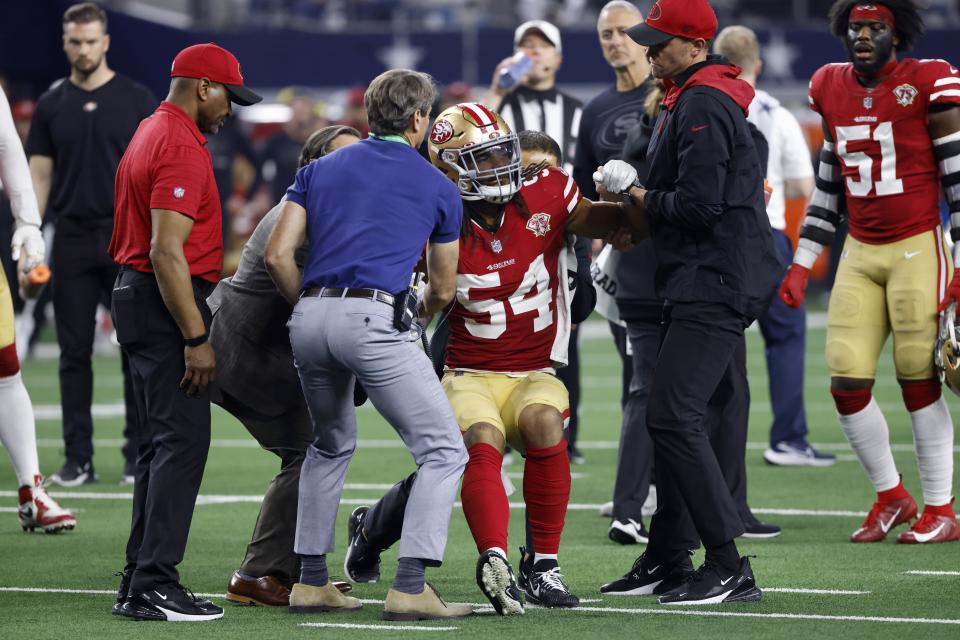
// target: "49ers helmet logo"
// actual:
[[442, 131]]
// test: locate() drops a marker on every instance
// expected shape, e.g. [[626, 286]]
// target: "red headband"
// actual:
[[872, 13]]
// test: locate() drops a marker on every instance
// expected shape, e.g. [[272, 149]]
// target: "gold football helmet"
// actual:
[[477, 150], [946, 350]]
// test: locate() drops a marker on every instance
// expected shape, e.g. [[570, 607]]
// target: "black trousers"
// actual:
[[384, 521], [698, 343], [175, 435], [270, 552], [83, 277]]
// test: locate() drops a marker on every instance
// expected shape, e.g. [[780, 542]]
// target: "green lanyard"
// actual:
[[391, 138]]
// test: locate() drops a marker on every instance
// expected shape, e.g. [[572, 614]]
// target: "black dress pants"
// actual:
[[175, 434], [83, 277], [270, 552], [698, 342], [384, 521]]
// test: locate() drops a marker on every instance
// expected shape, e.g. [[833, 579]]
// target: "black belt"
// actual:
[[336, 292]]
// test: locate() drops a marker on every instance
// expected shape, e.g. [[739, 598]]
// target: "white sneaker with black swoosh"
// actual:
[[710, 584]]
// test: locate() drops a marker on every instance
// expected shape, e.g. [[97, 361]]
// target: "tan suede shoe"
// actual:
[[426, 605], [305, 598]]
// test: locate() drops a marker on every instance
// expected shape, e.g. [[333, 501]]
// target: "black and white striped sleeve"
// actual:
[[823, 211], [946, 151]]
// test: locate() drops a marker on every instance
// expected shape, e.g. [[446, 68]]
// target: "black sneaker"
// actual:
[[648, 578], [710, 584], [525, 570], [547, 588], [122, 592], [757, 530], [362, 562], [576, 456], [171, 602], [496, 581], [129, 473], [74, 474], [629, 532]]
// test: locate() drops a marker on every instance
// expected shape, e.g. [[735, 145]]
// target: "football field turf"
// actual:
[[816, 584]]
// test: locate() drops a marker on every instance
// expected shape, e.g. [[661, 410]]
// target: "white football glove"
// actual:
[[616, 176], [28, 239]]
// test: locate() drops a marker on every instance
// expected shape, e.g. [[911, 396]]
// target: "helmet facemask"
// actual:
[[490, 170]]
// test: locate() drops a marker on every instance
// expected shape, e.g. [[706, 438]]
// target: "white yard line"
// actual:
[[374, 627], [626, 610], [782, 616], [825, 592], [933, 573], [250, 443]]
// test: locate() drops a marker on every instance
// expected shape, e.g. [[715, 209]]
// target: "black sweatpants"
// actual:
[[83, 277], [698, 343], [175, 435]]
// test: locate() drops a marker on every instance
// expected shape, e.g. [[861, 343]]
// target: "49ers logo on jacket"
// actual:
[[539, 223], [442, 131], [905, 94]]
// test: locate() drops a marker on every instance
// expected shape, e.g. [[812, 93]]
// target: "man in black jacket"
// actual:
[[717, 270]]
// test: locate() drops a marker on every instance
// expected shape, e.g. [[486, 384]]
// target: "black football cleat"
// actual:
[[710, 584], [496, 581], [547, 588], [647, 577], [362, 561]]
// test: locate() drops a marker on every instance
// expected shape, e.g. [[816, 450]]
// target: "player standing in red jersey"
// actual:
[[509, 328], [892, 128]]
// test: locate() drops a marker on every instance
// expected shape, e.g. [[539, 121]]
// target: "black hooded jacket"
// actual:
[[710, 230]]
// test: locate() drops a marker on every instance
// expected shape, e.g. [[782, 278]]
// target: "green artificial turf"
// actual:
[[812, 552]]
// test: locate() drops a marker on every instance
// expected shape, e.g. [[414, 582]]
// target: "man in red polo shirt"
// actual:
[[167, 241]]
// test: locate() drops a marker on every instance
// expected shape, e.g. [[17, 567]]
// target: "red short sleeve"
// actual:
[[179, 180], [940, 82]]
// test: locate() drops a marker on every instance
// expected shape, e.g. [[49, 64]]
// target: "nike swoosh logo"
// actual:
[[724, 582], [927, 537], [886, 525], [699, 128], [163, 597], [910, 254], [650, 571]]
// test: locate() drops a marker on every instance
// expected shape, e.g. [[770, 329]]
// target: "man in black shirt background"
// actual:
[[80, 130]]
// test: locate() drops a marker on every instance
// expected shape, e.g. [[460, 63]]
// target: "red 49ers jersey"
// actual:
[[886, 156], [504, 317]]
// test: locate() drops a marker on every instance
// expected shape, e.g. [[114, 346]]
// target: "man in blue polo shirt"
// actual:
[[368, 211]]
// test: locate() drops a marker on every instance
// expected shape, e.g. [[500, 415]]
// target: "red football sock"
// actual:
[[484, 498], [897, 493], [546, 490], [940, 509]]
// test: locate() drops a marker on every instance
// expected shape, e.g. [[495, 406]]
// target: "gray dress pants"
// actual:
[[334, 341]]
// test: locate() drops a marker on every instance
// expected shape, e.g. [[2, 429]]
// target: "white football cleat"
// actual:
[[39, 511]]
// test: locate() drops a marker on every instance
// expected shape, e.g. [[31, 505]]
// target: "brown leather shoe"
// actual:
[[305, 598], [426, 605], [267, 591]]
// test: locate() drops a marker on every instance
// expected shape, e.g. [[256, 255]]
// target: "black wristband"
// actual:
[[196, 342]]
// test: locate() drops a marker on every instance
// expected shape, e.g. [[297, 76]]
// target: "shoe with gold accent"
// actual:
[[305, 598], [426, 605]]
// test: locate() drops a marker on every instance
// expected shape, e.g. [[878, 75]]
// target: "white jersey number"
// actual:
[[470, 287], [889, 184]]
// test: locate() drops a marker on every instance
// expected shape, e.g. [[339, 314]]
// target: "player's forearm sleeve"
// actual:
[[946, 151], [823, 211], [14, 170]]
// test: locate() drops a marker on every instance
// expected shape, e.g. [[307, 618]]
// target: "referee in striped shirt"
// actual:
[[536, 104]]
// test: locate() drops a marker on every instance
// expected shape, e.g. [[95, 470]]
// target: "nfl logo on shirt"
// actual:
[[868, 102], [496, 246]]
